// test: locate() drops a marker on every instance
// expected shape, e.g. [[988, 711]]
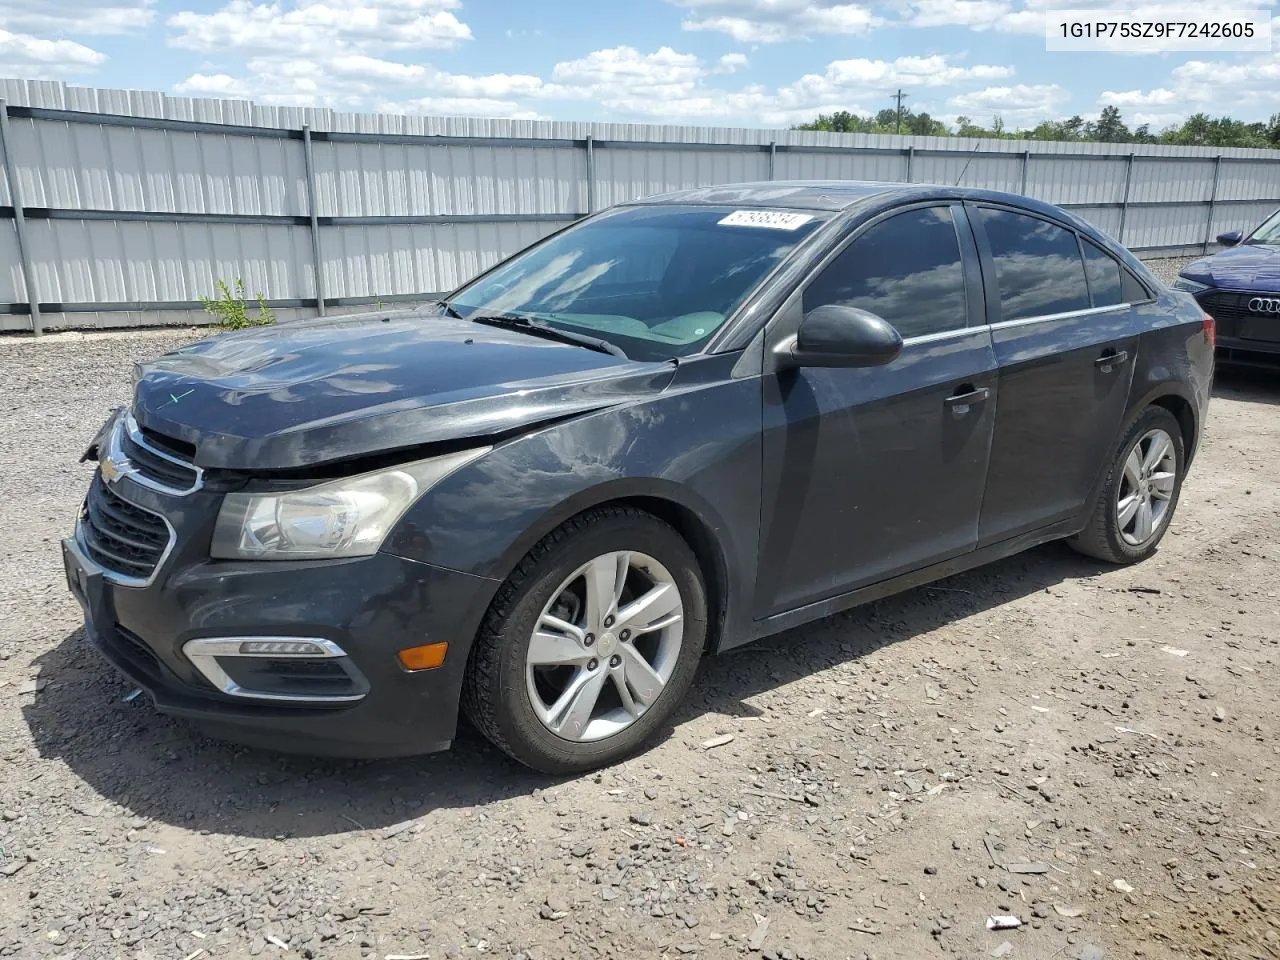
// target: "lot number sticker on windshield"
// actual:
[[771, 219]]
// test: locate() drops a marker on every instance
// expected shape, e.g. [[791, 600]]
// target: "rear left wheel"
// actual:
[[1137, 500], [590, 644]]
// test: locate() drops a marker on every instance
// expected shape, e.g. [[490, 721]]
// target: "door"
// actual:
[[876, 471], [1066, 357]]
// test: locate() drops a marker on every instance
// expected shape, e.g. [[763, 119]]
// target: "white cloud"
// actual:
[[1219, 86], [622, 81], [320, 27], [772, 21], [76, 16], [37, 58], [1159, 97], [732, 62], [1018, 105]]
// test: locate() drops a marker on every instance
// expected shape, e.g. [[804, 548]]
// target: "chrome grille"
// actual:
[[130, 453], [127, 541]]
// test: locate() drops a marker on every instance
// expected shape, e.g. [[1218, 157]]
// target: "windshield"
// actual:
[[1269, 232], [656, 281]]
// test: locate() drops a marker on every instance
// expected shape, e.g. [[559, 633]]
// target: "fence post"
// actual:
[[1213, 197], [1124, 200], [317, 263], [19, 221], [591, 174], [911, 160], [1026, 164], [773, 155]]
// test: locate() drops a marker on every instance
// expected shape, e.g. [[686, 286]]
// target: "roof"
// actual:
[[805, 194]]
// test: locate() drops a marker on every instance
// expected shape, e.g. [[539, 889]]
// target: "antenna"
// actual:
[[966, 163]]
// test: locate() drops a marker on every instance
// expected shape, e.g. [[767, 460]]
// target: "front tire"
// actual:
[[590, 644], [1136, 503]]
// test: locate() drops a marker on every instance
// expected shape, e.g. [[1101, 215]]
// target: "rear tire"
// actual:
[[1136, 503], [563, 630]]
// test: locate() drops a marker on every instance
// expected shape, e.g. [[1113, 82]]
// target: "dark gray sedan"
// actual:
[[672, 428]]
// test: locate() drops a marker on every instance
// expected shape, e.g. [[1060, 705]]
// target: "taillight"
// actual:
[[1210, 330]]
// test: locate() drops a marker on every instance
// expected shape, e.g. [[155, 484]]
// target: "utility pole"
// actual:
[[899, 96]]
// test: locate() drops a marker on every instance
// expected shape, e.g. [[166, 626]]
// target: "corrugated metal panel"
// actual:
[[845, 165], [369, 261], [92, 261], [109, 166], [362, 180], [1171, 182], [1087, 180], [12, 288], [1244, 181], [992, 173], [1240, 216], [634, 172], [1106, 219], [56, 95], [86, 167], [1167, 226]]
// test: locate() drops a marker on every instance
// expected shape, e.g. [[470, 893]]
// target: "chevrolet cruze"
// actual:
[[672, 428]]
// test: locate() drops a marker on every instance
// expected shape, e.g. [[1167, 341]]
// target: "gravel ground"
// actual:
[[1092, 750]]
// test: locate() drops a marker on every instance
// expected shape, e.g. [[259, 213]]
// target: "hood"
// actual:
[[1254, 268], [312, 391]]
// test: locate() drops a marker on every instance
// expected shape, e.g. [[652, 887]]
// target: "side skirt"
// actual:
[[876, 591]]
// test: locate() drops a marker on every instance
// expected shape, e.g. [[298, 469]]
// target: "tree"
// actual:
[[1109, 127], [1197, 130]]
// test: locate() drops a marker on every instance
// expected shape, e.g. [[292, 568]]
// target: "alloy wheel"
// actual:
[[605, 646], [1146, 487]]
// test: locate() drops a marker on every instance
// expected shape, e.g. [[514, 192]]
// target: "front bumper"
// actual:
[[370, 607]]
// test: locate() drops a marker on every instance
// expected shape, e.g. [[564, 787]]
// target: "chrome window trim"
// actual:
[[204, 651], [1069, 315], [122, 579], [942, 335], [125, 467], [1008, 324]]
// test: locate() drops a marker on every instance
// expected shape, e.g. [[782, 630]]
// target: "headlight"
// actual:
[[343, 518], [1191, 286]]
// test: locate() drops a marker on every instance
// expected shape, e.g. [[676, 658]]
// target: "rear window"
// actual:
[[1038, 265]]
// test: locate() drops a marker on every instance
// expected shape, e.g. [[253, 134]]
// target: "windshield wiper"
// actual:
[[448, 309], [540, 328]]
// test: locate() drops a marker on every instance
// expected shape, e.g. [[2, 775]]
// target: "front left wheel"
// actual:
[[590, 644]]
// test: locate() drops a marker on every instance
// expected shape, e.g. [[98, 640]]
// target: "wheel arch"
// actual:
[[696, 522], [1184, 410]]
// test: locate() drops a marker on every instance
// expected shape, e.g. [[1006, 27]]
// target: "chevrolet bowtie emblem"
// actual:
[[110, 470]]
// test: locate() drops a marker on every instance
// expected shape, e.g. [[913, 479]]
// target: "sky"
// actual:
[[755, 63]]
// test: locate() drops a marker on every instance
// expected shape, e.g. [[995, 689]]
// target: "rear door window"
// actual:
[[1104, 276], [906, 269], [1038, 265]]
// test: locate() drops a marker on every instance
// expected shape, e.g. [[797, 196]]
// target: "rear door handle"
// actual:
[[966, 397], [1112, 359]]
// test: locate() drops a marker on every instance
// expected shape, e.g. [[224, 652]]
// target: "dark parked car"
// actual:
[[672, 428], [1240, 288]]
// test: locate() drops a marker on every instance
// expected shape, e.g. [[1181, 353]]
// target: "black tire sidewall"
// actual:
[[1151, 418], [524, 735]]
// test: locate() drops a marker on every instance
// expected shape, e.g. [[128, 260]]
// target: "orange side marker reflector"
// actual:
[[424, 658]]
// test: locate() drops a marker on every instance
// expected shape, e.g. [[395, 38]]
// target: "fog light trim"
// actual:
[[203, 653]]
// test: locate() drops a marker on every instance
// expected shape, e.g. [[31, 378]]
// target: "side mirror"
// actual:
[[838, 336], [1230, 238]]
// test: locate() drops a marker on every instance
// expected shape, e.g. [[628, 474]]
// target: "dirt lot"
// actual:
[[891, 774]]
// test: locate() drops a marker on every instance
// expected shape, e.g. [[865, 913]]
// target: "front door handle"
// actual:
[[964, 398], [1111, 359]]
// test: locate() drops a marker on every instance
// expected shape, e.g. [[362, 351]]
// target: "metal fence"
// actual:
[[123, 208]]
